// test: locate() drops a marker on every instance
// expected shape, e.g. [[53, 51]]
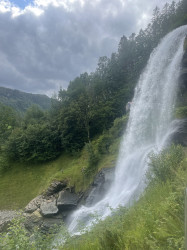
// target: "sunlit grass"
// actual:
[[21, 183], [156, 221]]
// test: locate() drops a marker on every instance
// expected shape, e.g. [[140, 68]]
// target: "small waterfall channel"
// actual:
[[149, 128]]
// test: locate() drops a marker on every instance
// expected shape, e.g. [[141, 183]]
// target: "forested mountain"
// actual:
[[21, 101], [92, 101]]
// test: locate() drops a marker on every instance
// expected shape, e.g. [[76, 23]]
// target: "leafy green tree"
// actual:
[[37, 143], [8, 121], [33, 115]]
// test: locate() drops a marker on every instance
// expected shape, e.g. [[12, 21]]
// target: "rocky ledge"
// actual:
[[57, 202], [54, 206]]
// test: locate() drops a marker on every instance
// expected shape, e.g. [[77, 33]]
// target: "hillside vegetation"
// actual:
[[87, 117], [81, 134], [155, 221], [91, 102], [21, 182]]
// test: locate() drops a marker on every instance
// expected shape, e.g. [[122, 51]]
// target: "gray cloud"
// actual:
[[39, 54]]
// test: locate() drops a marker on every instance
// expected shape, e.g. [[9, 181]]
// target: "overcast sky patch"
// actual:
[[44, 44]]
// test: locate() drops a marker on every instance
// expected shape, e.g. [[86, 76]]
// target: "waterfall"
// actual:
[[149, 128]]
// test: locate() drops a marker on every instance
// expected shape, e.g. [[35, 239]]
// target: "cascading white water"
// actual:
[[149, 128]]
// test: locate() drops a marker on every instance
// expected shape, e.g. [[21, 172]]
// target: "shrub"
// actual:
[[181, 112], [103, 143], [164, 165], [118, 127], [93, 159], [107, 138], [17, 237], [37, 143]]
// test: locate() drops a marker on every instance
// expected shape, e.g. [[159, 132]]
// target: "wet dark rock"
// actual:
[[180, 136], [99, 179], [52, 208], [183, 81], [48, 208], [67, 200], [100, 186]]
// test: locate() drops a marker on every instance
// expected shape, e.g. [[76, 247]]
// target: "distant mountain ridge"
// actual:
[[21, 101]]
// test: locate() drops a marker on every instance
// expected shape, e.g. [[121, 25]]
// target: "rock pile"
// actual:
[[52, 207], [57, 202]]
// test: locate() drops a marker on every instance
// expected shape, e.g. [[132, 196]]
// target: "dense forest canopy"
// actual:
[[92, 101]]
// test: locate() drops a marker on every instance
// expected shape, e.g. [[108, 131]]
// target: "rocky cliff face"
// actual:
[[183, 78], [180, 137]]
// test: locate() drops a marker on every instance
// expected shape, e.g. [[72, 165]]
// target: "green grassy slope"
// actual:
[[22, 182], [156, 221]]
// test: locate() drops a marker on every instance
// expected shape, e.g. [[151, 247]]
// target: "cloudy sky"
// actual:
[[44, 44]]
